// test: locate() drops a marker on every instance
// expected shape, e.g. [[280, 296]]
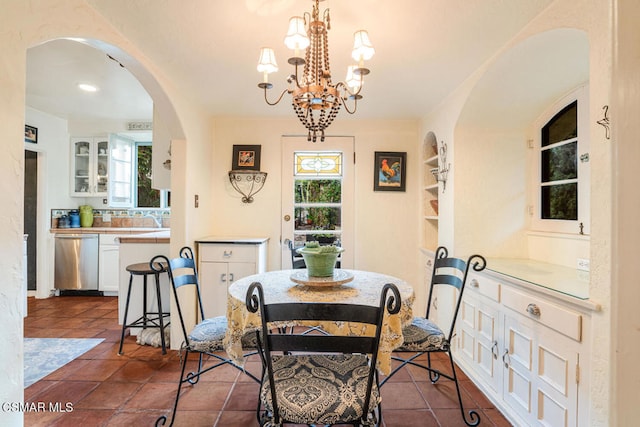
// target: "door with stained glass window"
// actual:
[[317, 195]]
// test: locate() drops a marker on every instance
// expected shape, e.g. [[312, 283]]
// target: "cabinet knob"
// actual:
[[223, 277], [533, 310], [227, 254], [474, 283]]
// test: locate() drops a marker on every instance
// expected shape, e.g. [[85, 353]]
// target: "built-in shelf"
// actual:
[[432, 188], [432, 161]]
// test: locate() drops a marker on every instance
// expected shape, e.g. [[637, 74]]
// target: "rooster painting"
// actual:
[[390, 170]]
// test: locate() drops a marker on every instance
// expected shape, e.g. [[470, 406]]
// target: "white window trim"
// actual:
[[581, 95]]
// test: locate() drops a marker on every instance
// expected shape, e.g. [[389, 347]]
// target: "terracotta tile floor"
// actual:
[[136, 388]]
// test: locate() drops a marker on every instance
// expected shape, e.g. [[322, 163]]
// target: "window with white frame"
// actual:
[[145, 195], [318, 196], [561, 196]]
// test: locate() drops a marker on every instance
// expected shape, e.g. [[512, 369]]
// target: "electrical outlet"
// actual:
[[583, 264], [106, 217]]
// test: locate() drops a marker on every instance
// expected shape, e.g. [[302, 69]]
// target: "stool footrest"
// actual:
[[153, 320]]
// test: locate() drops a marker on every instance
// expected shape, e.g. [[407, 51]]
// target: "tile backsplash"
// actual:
[[121, 218]]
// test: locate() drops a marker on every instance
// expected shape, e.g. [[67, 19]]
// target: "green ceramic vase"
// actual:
[[86, 216]]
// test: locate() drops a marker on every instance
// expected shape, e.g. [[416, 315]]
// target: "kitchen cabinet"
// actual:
[[527, 351], [90, 167], [109, 263], [221, 261]]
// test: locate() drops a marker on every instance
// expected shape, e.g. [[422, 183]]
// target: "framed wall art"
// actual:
[[389, 171], [246, 157], [30, 134]]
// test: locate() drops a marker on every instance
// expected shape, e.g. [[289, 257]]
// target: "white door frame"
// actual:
[[344, 144]]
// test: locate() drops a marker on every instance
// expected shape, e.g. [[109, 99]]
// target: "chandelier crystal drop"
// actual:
[[316, 100]]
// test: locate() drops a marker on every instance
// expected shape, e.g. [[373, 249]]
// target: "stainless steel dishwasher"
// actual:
[[76, 262]]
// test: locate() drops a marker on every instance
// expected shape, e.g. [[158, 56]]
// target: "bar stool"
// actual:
[[148, 319]]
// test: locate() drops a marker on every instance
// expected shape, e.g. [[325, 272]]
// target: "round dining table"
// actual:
[[283, 286]]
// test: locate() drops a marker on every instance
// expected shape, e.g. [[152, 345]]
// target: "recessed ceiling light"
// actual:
[[87, 87]]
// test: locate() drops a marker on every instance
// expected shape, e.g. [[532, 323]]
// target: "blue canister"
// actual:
[[74, 216]]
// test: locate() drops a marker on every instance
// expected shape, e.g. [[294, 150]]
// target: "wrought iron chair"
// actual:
[[424, 336], [319, 379], [296, 259], [206, 338]]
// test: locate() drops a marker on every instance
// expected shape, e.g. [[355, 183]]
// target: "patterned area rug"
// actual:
[[42, 356]]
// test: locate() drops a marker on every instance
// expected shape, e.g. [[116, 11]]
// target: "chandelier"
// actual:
[[315, 99]]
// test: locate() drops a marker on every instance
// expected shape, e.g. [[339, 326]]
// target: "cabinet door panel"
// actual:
[[213, 288], [215, 279], [518, 364], [518, 391], [556, 382], [487, 346], [551, 412], [108, 271], [238, 270], [467, 330], [486, 361]]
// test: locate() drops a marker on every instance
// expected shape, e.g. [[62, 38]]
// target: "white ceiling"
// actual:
[[209, 50]]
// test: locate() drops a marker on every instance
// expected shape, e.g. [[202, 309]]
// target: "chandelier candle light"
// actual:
[[315, 99]]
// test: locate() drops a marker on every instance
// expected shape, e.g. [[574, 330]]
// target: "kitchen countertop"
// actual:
[[127, 235], [108, 230], [568, 284]]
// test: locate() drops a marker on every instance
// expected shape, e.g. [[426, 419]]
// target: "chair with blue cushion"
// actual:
[[319, 379], [206, 338], [423, 336]]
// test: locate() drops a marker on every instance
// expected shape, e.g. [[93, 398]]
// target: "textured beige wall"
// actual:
[[625, 107], [385, 223]]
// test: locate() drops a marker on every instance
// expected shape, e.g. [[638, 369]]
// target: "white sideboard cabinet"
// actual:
[[527, 348], [223, 260]]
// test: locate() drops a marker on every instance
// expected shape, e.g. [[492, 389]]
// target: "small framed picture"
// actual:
[[30, 134], [246, 157], [389, 171]]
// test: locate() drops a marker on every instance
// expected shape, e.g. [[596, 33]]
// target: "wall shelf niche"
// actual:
[[431, 187]]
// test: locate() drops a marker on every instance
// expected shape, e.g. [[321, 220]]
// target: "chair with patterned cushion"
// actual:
[[206, 338], [424, 336], [319, 379]]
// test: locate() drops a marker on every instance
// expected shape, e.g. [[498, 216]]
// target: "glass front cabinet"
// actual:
[[90, 166]]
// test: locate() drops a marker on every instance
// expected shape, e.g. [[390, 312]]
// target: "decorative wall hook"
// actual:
[[604, 122], [441, 173]]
